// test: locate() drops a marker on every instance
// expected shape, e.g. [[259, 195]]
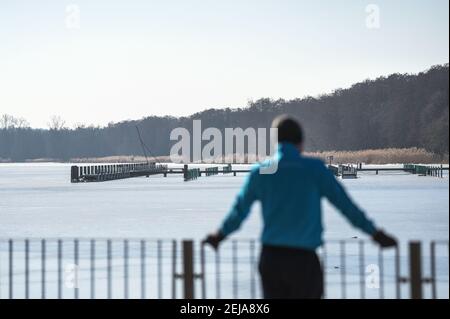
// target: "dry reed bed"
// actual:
[[376, 156]]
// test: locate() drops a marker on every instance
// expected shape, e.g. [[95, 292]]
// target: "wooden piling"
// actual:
[[74, 176]]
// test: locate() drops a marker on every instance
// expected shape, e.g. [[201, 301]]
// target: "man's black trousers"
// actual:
[[290, 273]]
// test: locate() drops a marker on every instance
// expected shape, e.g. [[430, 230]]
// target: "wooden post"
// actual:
[[185, 172], [415, 270], [74, 177], [188, 269]]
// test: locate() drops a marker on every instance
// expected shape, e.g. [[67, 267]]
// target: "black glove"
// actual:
[[214, 239], [384, 240]]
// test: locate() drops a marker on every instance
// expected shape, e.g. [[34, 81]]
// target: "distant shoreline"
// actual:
[[375, 156]]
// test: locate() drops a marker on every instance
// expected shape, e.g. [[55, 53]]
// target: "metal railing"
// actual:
[[159, 268]]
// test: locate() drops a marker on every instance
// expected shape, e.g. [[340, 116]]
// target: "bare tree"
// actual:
[[10, 122], [79, 126], [6, 121], [56, 123], [22, 123]]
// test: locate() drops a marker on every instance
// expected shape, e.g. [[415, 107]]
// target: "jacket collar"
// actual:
[[287, 150]]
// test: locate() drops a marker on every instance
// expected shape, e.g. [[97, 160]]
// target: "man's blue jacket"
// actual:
[[291, 201]]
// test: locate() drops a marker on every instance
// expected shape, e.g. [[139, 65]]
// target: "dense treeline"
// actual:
[[400, 110]]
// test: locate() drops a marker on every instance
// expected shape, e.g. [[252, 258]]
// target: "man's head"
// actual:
[[289, 130]]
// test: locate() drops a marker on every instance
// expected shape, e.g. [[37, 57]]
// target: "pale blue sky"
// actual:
[[131, 59]]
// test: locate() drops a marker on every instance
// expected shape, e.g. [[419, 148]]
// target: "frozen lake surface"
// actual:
[[37, 200]]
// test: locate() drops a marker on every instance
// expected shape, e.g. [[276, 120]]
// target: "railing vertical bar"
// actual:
[[343, 275], [174, 269], [433, 269], [76, 258], [203, 270], [11, 270], [398, 293], [59, 268], [92, 269], [217, 262], [143, 281], [159, 260], [415, 270], [1, 282], [324, 268], [109, 267], [362, 270], [125, 268], [381, 277], [235, 276], [43, 270], [252, 269], [188, 269], [27, 269]]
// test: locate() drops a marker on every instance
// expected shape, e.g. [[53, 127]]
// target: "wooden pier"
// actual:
[[421, 170], [190, 173], [426, 170], [227, 169], [347, 171], [109, 172]]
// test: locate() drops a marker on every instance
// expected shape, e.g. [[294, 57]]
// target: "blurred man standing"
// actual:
[[291, 210]]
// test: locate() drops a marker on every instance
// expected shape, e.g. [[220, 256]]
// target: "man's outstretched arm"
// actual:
[[337, 195], [239, 211]]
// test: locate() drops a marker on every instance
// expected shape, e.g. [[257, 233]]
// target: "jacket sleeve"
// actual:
[[336, 194], [242, 205]]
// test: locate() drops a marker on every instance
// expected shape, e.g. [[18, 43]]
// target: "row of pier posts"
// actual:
[[194, 173], [227, 169], [190, 173], [436, 171], [209, 171], [93, 173], [426, 170]]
